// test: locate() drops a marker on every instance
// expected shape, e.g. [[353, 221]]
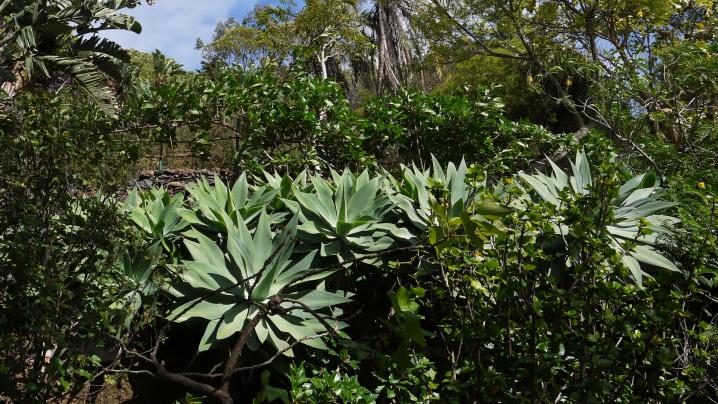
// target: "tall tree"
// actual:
[[266, 32], [388, 21], [331, 31], [625, 51], [40, 38], [322, 33], [505, 30]]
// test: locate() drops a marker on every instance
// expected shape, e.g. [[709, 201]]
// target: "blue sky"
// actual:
[[172, 26]]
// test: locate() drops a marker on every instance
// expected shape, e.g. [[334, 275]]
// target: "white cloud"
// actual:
[[172, 26]]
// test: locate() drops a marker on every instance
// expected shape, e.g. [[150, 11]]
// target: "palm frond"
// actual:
[[89, 77]]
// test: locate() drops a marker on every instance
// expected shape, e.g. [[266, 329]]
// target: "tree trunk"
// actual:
[[323, 63]]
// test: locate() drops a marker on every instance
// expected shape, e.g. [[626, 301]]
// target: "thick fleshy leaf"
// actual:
[[581, 179], [559, 176], [650, 256], [437, 170], [233, 321], [279, 343], [638, 197], [261, 290], [317, 299], [203, 309], [540, 189], [635, 269], [296, 270], [205, 250], [208, 338], [294, 326], [630, 185], [459, 189], [361, 200], [240, 191], [261, 331], [195, 279], [262, 242], [313, 204], [214, 276], [324, 199]]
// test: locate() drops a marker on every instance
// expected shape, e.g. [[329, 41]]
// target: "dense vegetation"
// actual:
[[419, 200]]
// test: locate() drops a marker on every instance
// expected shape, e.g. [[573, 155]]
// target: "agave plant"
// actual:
[[414, 197], [284, 183], [157, 214], [216, 207], [230, 286], [285, 187], [347, 221], [638, 200], [137, 266], [411, 195]]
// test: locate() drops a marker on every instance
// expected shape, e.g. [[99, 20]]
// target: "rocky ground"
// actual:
[[175, 180]]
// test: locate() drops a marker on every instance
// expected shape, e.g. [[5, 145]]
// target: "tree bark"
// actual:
[[323, 63]]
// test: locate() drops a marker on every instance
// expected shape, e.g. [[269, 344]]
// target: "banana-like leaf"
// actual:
[[88, 76], [62, 37]]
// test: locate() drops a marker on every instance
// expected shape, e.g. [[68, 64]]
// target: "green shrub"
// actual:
[[490, 294], [57, 245]]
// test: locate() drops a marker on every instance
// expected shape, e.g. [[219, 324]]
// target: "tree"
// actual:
[[503, 30], [57, 242], [322, 33], [331, 31], [388, 21], [615, 47], [265, 33], [41, 38]]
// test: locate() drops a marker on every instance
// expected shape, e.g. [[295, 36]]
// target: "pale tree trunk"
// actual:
[[323, 63]]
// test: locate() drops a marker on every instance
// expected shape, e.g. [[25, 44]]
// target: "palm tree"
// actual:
[[388, 21], [42, 38]]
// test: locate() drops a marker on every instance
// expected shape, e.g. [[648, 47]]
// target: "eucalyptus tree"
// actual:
[[499, 29], [332, 31], [265, 33], [335, 39], [323, 33]]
